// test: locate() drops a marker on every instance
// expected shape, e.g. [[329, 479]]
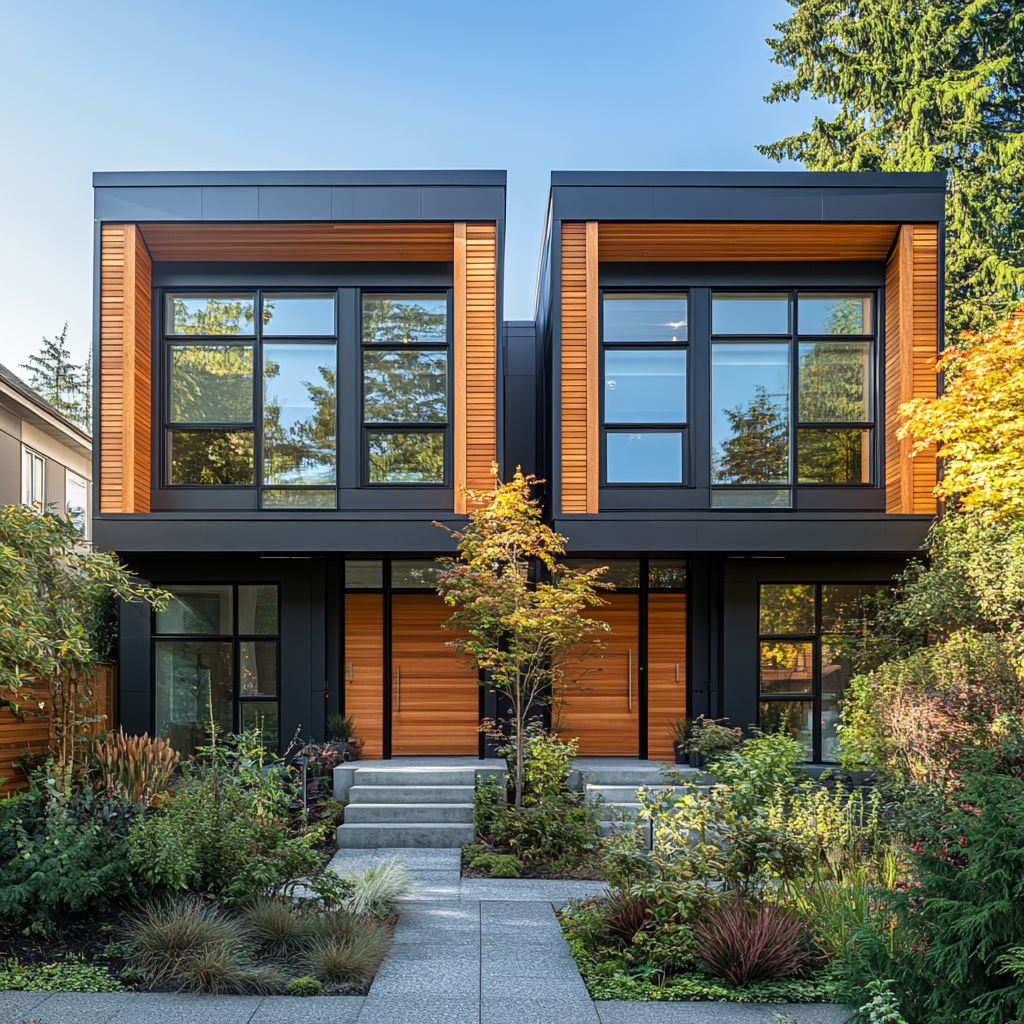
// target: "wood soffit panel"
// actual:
[[323, 242], [719, 242]]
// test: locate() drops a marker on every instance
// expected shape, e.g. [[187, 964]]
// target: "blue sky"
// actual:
[[528, 87]]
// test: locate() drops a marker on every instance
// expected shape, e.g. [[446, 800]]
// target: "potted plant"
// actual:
[[353, 748], [680, 730], [710, 737], [339, 732]]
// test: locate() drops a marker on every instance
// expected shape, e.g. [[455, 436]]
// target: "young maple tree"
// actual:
[[977, 424], [520, 613]]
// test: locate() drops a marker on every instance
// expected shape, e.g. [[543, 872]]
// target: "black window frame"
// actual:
[[168, 341], [682, 428], [815, 638], [368, 427], [235, 638], [793, 340]]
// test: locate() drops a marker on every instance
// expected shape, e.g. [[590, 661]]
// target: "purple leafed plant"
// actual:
[[742, 942]]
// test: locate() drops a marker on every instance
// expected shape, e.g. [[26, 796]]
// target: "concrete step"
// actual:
[[360, 794], [608, 828], [365, 837], [394, 814], [414, 777], [614, 794], [631, 775]]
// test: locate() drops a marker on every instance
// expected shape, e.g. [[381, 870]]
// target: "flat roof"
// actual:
[[129, 179], [754, 179]]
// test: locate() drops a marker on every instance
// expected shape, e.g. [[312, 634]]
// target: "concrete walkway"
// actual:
[[467, 951]]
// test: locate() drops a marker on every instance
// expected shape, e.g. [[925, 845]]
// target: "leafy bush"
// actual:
[[501, 865], [138, 767], [340, 728], [70, 975], [762, 771], [349, 961], [743, 943], [305, 987], [63, 858], [378, 891], [547, 764]]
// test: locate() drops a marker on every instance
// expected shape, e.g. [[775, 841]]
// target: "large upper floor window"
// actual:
[[791, 394], [644, 407], [406, 402], [251, 396]]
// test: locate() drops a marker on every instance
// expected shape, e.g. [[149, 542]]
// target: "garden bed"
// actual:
[[585, 868]]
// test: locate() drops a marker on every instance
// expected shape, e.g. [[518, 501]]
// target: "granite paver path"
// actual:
[[467, 951]]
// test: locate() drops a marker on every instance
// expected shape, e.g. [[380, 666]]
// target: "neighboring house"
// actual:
[[298, 371], [45, 459]]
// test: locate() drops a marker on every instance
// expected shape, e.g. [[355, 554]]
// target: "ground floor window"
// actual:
[[216, 658], [813, 639]]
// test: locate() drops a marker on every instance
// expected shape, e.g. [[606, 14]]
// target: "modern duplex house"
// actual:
[[298, 372]]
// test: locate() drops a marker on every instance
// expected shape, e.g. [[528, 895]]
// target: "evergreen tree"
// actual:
[[923, 85], [66, 385], [757, 451]]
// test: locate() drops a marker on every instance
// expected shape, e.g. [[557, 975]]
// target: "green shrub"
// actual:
[[63, 858], [350, 961], [502, 865], [70, 975], [305, 987], [488, 804], [762, 771], [550, 829], [117, 950]]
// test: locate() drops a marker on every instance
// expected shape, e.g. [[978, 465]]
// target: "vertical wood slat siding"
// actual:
[[475, 350], [125, 370], [578, 361], [911, 349]]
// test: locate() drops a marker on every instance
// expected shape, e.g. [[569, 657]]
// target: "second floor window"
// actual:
[[644, 360], [33, 479]]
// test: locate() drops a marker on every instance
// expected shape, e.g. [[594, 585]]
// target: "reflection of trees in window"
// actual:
[[402, 386], [831, 456], [221, 316], [289, 450], [834, 379], [402, 322], [787, 609], [211, 384], [758, 451], [406, 458], [845, 316], [211, 457]]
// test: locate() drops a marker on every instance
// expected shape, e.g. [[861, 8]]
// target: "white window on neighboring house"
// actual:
[[33, 478], [76, 492]]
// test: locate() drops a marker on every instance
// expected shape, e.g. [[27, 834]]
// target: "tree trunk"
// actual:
[[520, 753]]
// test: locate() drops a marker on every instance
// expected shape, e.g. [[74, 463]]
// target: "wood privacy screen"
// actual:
[[475, 347], [125, 371], [580, 466], [911, 350], [126, 329], [911, 325]]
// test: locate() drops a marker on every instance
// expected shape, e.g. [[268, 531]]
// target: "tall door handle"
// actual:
[[398, 686], [350, 671], [630, 678], [677, 671]]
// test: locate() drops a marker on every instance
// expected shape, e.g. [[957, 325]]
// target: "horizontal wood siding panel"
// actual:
[[111, 412], [924, 354], [666, 669], [364, 669], [356, 242], [481, 355], [654, 242]]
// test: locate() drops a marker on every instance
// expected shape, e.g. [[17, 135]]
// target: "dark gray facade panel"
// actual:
[[520, 353], [298, 536], [145, 204], [739, 653], [610, 203], [178, 178], [747, 179], [135, 712], [446, 202], [886, 204], [520, 425], [725, 535], [231, 202], [134, 677], [838, 499], [588, 536], [313, 275], [795, 570], [283, 202], [652, 499], [388, 203], [753, 204], [342, 201], [173, 499]]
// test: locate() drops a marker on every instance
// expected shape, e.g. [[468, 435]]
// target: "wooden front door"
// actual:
[[666, 668], [364, 668], [435, 697], [603, 707]]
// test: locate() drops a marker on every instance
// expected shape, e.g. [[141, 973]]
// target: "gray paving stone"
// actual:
[[511, 889], [514, 987], [436, 921], [16, 1005], [433, 970], [147, 1007], [537, 1011], [517, 913], [80, 1007], [534, 961], [311, 1010], [420, 1010]]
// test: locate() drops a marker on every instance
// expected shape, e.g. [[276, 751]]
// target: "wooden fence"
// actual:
[[32, 732]]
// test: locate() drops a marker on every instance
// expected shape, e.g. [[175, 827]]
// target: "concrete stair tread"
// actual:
[[410, 794]]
